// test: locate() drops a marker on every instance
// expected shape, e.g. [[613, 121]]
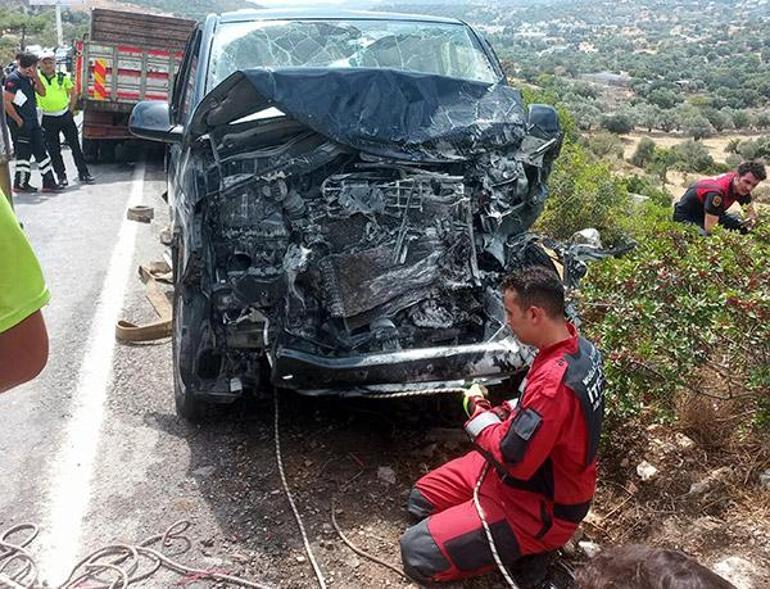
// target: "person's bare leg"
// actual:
[[23, 351]]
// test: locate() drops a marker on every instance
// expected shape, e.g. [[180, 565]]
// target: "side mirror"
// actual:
[[150, 119]]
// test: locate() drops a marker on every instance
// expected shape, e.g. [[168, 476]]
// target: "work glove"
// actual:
[[504, 409], [475, 398]]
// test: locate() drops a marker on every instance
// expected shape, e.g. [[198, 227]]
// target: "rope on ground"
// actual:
[[25, 574], [480, 510], [287, 491], [363, 553], [121, 561]]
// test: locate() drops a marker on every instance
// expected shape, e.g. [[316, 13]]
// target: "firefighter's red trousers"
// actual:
[[450, 543]]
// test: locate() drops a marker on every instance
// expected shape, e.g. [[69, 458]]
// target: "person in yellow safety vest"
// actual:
[[57, 106], [23, 293]]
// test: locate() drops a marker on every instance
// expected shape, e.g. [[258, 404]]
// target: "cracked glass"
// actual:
[[443, 49]]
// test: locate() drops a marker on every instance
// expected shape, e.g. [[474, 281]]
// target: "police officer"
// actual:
[[706, 202], [57, 105], [20, 106], [539, 455]]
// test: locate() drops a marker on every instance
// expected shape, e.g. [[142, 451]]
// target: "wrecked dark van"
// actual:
[[347, 192]]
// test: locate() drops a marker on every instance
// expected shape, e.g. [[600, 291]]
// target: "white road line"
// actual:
[[70, 480]]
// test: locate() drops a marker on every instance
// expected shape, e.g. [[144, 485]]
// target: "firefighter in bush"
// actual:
[[706, 202]]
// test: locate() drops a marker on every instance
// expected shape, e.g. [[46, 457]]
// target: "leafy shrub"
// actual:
[[682, 313], [644, 154], [662, 161], [605, 145], [584, 193], [754, 148], [692, 156], [618, 123], [645, 186]]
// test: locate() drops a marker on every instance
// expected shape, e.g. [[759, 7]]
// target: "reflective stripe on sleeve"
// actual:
[[481, 422]]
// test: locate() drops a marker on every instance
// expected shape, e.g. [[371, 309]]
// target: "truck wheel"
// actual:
[[90, 150], [189, 307], [107, 151]]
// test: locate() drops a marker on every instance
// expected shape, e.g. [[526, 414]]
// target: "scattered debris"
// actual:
[[683, 441], [739, 571], [646, 471], [140, 213], [386, 474], [204, 471], [764, 480], [590, 549], [713, 481], [166, 236], [587, 236]]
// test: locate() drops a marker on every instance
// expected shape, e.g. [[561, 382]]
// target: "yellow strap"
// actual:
[[555, 259]]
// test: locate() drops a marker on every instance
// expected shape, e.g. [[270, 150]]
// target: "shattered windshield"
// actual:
[[443, 49]]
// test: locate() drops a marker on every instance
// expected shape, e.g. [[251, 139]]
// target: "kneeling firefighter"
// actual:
[[535, 460]]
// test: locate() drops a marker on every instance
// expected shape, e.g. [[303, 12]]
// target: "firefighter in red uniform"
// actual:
[[706, 202], [542, 453]]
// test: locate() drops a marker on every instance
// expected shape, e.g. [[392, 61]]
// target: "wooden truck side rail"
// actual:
[[127, 57]]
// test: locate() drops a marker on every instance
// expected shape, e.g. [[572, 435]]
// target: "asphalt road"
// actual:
[[93, 452]]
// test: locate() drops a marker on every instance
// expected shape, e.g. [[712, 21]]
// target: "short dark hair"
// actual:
[[537, 286], [756, 168], [26, 59]]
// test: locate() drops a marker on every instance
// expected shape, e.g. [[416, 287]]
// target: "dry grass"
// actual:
[[707, 421], [715, 145], [712, 445]]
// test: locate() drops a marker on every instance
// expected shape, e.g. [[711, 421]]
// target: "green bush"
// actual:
[[682, 313], [617, 123], [605, 145], [692, 156], [644, 154], [645, 186], [583, 193]]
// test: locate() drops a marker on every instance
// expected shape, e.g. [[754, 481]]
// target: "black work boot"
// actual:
[[86, 178], [531, 572], [21, 183], [542, 571], [26, 187], [50, 185], [63, 182]]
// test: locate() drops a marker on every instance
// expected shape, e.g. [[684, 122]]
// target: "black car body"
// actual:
[[345, 207]]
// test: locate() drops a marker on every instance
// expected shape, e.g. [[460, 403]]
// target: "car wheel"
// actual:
[[187, 304]]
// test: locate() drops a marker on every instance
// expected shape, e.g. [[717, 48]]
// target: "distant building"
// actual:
[[608, 79]]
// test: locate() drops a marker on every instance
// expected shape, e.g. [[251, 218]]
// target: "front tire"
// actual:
[[188, 303]]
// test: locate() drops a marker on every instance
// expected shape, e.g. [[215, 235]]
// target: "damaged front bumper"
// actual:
[[298, 370]]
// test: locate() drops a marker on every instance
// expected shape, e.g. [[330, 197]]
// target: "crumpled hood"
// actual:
[[383, 112]]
